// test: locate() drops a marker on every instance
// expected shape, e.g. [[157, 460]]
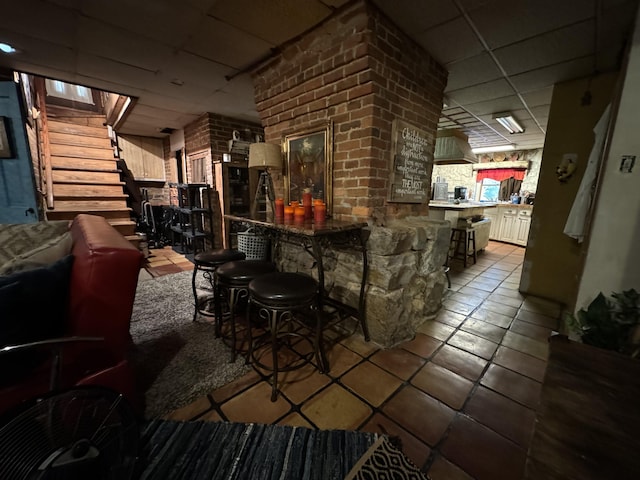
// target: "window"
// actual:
[[69, 91], [489, 190]]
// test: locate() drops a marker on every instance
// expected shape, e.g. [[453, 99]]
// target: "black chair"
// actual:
[[286, 300], [233, 279], [463, 241], [207, 263]]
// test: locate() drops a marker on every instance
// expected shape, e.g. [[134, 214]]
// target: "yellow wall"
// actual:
[[553, 261]]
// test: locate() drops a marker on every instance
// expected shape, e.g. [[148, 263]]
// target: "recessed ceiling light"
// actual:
[[497, 148], [6, 48]]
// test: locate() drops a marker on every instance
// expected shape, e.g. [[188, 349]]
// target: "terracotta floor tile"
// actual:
[[500, 308], [295, 420], [336, 408], [210, 416], [485, 283], [398, 361], [443, 469], [358, 344], [473, 344], [465, 298], [443, 384], [495, 273], [482, 453], [474, 291], [522, 363], [463, 363], [230, 389], [166, 269], [510, 301], [538, 319], [502, 415], [458, 307], [422, 345], [191, 411], [531, 330], [436, 330], [255, 406], [526, 345], [509, 292], [341, 359], [513, 385], [298, 385], [371, 383], [415, 450], [450, 318], [505, 266], [509, 285], [544, 307], [420, 414], [455, 286], [158, 261], [494, 318], [484, 329]]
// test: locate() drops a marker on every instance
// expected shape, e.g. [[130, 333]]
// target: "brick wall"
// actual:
[[359, 71]]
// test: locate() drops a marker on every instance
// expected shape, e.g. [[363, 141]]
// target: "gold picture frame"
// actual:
[[309, 164]]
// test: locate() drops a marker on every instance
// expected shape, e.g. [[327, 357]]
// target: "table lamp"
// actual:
[[264, 156]]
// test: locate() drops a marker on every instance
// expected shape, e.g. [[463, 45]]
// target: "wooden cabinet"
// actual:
[[144, 157], [510, 223]]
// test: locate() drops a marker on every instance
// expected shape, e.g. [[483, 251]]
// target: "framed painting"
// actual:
[[309, 164], [5, 145]]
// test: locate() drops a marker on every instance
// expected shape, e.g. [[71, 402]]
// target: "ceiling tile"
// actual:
[[226, 44], [549, 76], [52, 23], [98, 38], [554, 47], [510, 21], [450, 42], [413, 18], [511, 102], [128, 76], [165, 21], [536, 98], [471, 71], [38, 52], [272, 22], [482, 92], [195, 70]]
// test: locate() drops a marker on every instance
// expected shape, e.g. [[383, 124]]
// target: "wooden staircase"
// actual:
[[84, 173]]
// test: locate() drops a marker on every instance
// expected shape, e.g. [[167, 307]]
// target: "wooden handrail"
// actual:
[[46, 147]]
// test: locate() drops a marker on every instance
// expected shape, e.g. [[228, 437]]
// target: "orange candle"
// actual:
[[288, 214], [298, 215], [319, 213], [294, 203], [279, 207], [306, 202]]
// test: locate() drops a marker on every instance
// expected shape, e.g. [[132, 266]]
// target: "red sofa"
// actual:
[[102, 289]]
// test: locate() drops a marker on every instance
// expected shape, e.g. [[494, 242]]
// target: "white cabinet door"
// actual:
[[523, 226], [508, 225], [492, 214]]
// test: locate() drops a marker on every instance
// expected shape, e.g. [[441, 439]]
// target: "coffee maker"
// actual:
[[460, 193]]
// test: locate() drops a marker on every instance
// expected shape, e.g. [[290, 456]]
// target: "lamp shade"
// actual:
[[265, 155]]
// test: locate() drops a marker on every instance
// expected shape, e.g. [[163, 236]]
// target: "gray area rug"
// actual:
[[176, 360]]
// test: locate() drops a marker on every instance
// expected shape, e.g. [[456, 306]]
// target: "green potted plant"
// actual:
[[613, 324]]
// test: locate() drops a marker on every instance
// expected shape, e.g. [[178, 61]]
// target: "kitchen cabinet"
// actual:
[[511, 224], [492, 214]]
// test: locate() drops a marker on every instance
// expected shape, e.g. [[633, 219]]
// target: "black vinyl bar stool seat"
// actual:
[[463, 241], [277, 296], [233, 278], [207, 263]]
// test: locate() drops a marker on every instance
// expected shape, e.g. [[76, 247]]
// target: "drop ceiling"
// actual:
[[182, 58]]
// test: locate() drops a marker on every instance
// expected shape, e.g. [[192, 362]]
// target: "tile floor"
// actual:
[[461, 395]]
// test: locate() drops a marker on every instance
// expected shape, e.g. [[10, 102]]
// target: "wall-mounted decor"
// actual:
[[309, 164], [5, 145], [412, 163]]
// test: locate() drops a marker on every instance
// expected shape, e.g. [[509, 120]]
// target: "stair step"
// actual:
[[56, 138], [121, 213], [56, 126], [110, 177], [125, 227], [84, 164], [90, 205], [82, 152], [86, 190]]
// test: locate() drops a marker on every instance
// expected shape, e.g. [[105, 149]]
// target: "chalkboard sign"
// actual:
[[412, 157]]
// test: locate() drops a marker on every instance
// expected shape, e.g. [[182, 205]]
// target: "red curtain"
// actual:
[[500, 174]]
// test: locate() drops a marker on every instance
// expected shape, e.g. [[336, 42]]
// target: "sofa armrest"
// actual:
[[103, 283]]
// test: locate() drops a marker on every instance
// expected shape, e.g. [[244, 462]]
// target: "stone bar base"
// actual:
[[406, 278]]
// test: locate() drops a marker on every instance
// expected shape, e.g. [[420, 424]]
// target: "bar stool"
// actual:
[[278, 296], [234, 278], [207, 263], [462, 240]]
